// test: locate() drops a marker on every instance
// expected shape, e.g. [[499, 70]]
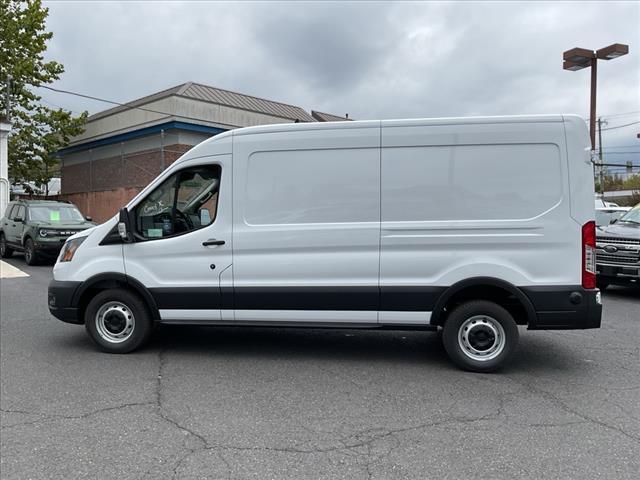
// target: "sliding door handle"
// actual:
[[213, 241]]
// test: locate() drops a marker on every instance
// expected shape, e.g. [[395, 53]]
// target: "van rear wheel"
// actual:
[[118, 321], [480, 336]]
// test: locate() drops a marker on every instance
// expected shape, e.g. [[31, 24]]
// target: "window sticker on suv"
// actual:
[[54, 215]]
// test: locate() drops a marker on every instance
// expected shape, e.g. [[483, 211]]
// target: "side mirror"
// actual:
[[88, 219], [613, 220], [124, 226], [18, 219]]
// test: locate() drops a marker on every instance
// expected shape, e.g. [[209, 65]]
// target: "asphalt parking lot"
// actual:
[[289, 403]]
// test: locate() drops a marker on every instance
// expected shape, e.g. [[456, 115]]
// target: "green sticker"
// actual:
[[54, 215], [154, 232]]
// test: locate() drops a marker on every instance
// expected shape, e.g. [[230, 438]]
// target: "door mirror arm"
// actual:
[[124, 226]]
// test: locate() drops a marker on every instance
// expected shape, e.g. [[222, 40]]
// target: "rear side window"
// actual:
[[21, 212], [8, 212], [186, 201], [313, 186], [474, 182]]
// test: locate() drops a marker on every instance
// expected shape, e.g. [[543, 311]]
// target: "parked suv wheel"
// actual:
[[5, 251], [117, 321], [480, 336], [30, 252]]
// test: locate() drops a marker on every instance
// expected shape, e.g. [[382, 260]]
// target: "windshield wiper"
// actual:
[[629, 221]]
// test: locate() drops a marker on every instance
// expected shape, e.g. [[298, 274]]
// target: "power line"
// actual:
[[91, 97], [621, 126], [127, 106], [621, 153], [621, 114]]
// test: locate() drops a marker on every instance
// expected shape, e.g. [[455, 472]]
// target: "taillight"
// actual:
[[589, 255]]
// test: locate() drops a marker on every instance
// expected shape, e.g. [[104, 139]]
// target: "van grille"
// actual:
[[624, 241]]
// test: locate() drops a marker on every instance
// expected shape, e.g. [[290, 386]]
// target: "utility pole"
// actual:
[[162, 150], [600, 122]]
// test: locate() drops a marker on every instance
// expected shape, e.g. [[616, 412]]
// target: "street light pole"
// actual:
[[579, 58]]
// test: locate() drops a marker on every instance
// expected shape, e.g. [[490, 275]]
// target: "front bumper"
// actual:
[[565, 308], [61, 301], [49, 247], [622, 274]]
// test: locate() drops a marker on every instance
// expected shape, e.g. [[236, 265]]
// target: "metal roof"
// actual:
[[218, 96], [328, 117]]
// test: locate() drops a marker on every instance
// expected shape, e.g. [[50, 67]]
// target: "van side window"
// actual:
[[186, 201]]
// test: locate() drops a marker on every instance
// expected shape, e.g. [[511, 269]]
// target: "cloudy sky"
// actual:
[[371, 60]]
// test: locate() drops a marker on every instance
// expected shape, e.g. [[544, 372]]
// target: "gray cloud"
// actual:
[[372, 60]]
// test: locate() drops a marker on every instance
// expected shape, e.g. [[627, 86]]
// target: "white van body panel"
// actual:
[[92, 258], [469, 200], [306, 213], [581, 173], [370, 223], [169, 265]]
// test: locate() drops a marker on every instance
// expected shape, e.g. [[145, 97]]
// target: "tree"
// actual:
[[38, 131]]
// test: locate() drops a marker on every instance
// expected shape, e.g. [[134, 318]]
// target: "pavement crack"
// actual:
[[52, 417], [162, 412], [564, 406]]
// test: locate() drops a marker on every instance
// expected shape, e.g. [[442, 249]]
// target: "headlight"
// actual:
[[69, 249], [47, 232]]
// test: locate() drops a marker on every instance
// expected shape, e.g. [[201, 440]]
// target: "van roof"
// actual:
[[402, 122]]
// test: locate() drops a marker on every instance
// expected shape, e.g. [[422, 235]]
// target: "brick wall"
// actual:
[[99, 188], [101, 205]]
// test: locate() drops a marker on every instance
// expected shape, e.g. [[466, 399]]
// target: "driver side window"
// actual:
[[186, 201]]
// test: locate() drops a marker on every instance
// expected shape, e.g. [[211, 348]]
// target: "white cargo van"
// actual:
[[471, 225]]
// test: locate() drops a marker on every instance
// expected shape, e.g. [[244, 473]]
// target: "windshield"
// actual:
[[632, 216], [605, 217], [55, 214]]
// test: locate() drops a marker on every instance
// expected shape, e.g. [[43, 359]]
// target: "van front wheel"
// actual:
[[480, 336], [117, 321]]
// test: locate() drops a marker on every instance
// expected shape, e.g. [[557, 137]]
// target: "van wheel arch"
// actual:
[[492, 289], [105, 281]]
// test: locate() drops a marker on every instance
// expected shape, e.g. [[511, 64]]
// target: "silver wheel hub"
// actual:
[[114, 322], [481, 338]]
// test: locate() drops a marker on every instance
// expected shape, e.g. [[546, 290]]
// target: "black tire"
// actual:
[[30, 253], [117, 306], [5, 251], [495, 335]]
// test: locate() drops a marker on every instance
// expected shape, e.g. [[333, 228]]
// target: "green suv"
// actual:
[[39, 228]]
